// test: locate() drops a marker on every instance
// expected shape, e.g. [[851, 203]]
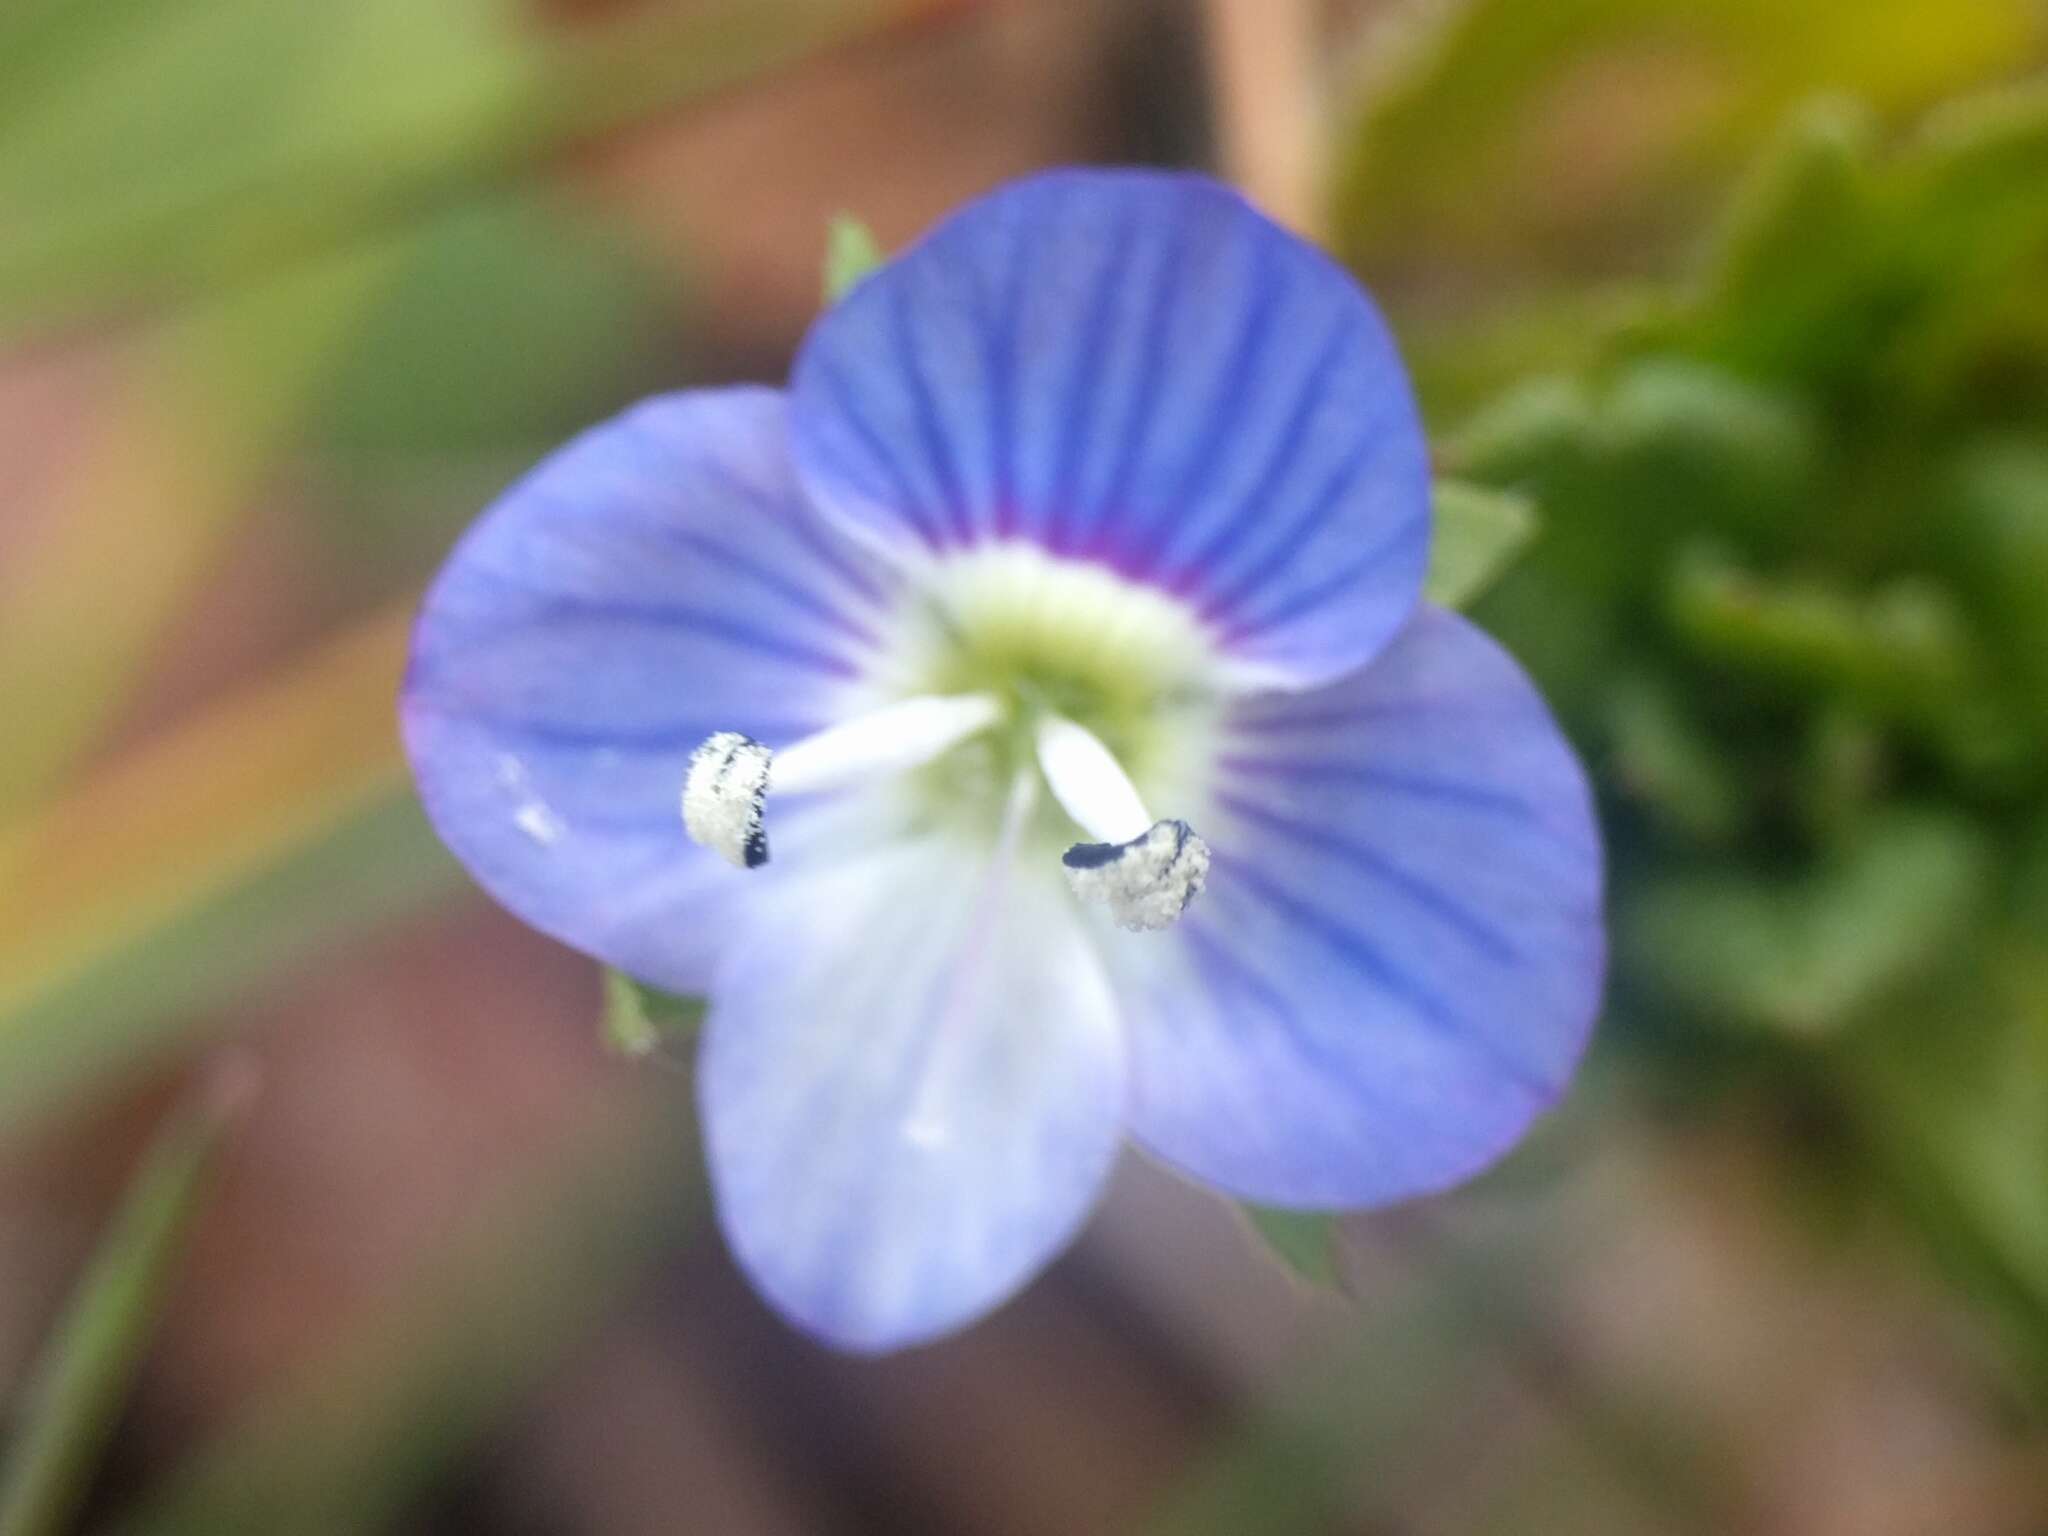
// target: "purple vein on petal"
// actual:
[[1289, 722], [548, 608], [1228, 972], [716, 553], [907, 502], [1215, 435], [1139, 415], [1082, 379], [1476, 797], [1184, 573], [804, 525], [937, 446], [1359, 954], [1370, 861], [1301, 601], [682, 736], [999, 332]]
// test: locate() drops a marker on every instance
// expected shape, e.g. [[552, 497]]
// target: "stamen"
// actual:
[[1147, 882], [1089, 783], [893, 739], [1145, 872], [730, 776], [723, 793]]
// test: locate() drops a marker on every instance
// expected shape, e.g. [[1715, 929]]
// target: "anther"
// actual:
[[1147, 882], [1145, 871], [724, 795]]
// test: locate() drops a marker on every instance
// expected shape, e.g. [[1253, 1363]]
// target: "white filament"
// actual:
[[1089, 783], [893, 739]]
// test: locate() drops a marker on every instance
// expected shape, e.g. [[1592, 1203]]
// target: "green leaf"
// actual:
[[1302, 1240], [79, 1386], [851, 253], [639, 1020], [1478, 534]]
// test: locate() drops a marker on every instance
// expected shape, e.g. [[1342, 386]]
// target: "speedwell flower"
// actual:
[[1027, 732]]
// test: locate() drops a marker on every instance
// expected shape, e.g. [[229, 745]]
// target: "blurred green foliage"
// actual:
[[1789, 594], [1532, 141]]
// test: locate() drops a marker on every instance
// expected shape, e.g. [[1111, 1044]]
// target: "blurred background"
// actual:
[[326, 1207]]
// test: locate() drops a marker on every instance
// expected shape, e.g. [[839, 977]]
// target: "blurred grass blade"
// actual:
[[475, 103], [83, 1378], [245, 834], [201, 418], [1478, 534], [348, 1445]]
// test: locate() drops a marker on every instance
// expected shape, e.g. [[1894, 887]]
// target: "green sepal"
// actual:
[[1304, 1241], [1479, 533], [851, 253], [640, 1020]]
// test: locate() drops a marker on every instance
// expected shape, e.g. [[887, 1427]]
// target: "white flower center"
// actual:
[[1008, 662]]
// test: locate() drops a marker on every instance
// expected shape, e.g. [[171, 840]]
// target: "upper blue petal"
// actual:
[[1135, 368], [1400, 951], [656, 580]]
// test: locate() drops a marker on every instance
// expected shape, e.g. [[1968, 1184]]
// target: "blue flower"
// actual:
[[1064, 754]]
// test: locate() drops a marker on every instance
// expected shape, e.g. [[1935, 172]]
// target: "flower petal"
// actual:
[[1400, 952], [654, 581], [1137, 369], [910, 1099]]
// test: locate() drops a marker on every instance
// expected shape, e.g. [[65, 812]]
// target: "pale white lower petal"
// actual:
[[912, 1084]]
